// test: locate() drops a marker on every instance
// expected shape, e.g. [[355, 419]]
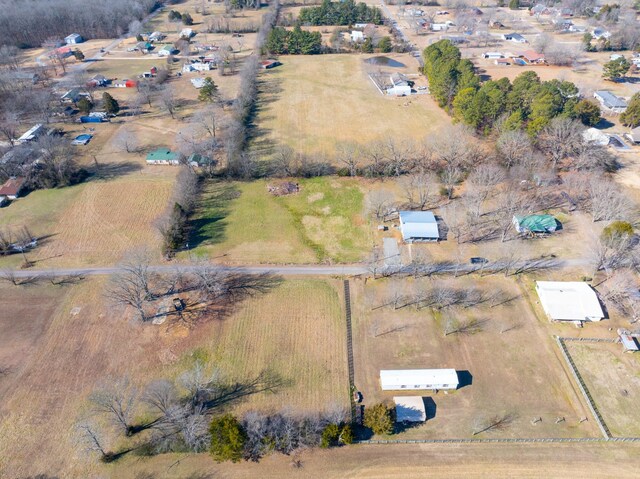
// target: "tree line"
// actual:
[[528, 103], [293, 42], [28, 24], [340, 13]]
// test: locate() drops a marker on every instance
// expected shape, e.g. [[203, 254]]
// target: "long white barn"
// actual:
[[413, 379]]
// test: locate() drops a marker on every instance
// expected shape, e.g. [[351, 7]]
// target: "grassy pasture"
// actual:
[[509, 366], [245, 223], [613, 380], [311, 103]]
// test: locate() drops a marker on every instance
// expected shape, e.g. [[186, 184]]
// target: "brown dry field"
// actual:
[[515, 365], [613, 380], [71, 340], [301, 95], [496, 461]]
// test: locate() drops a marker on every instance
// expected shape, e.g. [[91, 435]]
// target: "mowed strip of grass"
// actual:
[[296, 332], [324, 222], [312, 103]]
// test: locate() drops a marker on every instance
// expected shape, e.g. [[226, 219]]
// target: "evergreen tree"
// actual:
[[514, 4], [84, 105], [631, 116], [209, 91], [330, 436], [79, 55], [139, 38], [367, 46], [385, 45], [186, 19], [588, 112], [379, 419], [615, 69], [227, 439], [110, 104]]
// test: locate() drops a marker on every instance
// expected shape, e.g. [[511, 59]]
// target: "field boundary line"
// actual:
[[583, 387], [347, 310], [531, 440]]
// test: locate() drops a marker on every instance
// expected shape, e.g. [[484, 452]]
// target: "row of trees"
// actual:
[[30, 26], [526, 103], [293, 42], [340, 13]]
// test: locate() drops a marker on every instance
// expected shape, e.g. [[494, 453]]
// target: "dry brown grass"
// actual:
[[313, 102], [514, 362], [613, 381]]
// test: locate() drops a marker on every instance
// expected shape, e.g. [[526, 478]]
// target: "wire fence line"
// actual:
[[530, 440]]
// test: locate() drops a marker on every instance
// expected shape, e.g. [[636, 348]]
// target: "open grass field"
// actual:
[[297, 331], [508, 366], [245, 223], [66, 340], [613, 379], [299, 96]]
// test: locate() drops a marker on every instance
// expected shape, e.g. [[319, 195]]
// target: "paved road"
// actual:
[[294, 270], [326, 270]]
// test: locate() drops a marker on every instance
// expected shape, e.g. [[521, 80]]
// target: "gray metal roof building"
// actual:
[[418, 226]]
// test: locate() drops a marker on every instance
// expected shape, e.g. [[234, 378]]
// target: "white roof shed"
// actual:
[[398, 379], [418, 226], [410, 409], [569, 301]]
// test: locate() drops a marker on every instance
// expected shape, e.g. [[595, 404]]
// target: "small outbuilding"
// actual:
[[569, 301], [399, 85], [514, 37], [268, 64], [410, 409], [166, 51], [634, 135], [593, 135], [418, 379], [73, 39], [493, 55], [629, 341], [418, 226], [535, 224], [12, 188]]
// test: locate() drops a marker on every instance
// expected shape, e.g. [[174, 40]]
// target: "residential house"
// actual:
[[156, 36], [12, 188], [73, 39], [493, 55], [187, 33], [599, 33], [440, 27], [514, 37], [595, 136], [533, 58], [399, 85], [535, 224], [610, 101], [196, 67], [569, 301], [413, 379], [540, 9], [166, 51], [357, 36], [577, 28], [71, 96], [98, 81], [163, 156], [32, 134], [414, 12], [418, 226]]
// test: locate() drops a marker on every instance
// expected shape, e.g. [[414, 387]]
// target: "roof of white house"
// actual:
[[410, 409], [31, 133], [610, 100], [569, 300], [418, 376], [418, 224]]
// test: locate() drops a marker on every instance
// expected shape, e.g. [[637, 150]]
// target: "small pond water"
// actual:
[[383, 61]]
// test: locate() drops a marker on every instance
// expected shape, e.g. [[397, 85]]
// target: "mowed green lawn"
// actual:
[[311, 103], [245, 223]]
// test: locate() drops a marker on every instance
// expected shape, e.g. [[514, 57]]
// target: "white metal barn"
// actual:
[[569, 301], [398, 379], [410, 409], [418, 226]]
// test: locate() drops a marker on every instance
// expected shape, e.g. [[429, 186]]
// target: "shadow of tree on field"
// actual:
[[110, 171], [208, 225]]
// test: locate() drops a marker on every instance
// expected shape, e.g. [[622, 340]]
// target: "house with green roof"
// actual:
[[163, 156], [536, 224]]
